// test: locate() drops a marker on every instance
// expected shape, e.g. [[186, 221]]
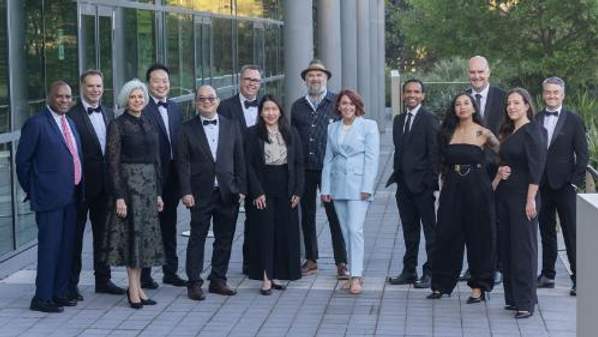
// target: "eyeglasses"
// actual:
[[210, 99], [252, 80]]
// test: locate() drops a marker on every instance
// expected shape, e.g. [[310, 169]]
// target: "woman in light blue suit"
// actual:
[[350, 169]]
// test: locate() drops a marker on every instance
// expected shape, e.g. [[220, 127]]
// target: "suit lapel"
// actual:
[[89, 126], [559, 125], [221, 132], [202, 138], [414, 124], [239, 110], [56, 129], [155, 112]]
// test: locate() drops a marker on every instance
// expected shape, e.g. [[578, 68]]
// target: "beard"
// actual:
[[316, 89]]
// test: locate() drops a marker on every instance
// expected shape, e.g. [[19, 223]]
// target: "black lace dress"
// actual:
[[134, 168]]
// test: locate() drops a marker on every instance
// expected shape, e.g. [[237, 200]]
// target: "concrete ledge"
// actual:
[[587, 271]]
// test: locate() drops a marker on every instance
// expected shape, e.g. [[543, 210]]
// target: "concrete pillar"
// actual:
[[329, 40], [363, 52], [349, 43], [587, 273], [382, 64], [298, 47], [374, 97]]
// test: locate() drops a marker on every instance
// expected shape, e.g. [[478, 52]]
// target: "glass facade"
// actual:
[[41, 41]]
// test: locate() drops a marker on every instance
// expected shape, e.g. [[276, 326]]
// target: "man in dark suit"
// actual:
[[212, 179], [416, 175], [166, 117], [91, 120], [491, 102], [242, 108], [49, 171], [564, 172]]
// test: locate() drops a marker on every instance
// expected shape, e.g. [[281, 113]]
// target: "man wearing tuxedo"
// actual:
[[166, 117], [564, 172], [49, 170], [91, 120], [212, 177], [491, 103], [242, 108], [416, 175]]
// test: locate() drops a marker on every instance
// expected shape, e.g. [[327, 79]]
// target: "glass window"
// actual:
[[252, 8], [272, 50], [245, 43], [179, 54], [60, 41], [212, 6], [223, 53], [203, 51], [4, 102]]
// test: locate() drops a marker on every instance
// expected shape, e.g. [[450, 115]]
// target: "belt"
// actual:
[[464, 169]]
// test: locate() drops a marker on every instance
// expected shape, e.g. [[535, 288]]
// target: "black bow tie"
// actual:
[[164, 104], [208, 122], [249, 104], [552, 113], [91, 110]]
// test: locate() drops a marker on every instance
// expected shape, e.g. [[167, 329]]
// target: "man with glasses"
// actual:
[[211, 170], [242, 108]]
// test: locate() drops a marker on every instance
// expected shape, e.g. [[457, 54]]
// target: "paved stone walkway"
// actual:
[[313, 306]]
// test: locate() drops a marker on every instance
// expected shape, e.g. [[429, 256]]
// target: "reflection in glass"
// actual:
[[179, 53], [105, 57], [245, 43], [88, 43], [6, 223], [211, 6], [4, 99], [203, 53], [223, 53]]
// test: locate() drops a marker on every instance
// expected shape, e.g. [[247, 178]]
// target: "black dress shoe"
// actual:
[[149, 284], [481, 298], [573, 291], [466, 276], [109, 288], [175, 280], [220, 287], [523, 314], [435, 295], [510, 307], [278, 286], [266, 292], [403, 278], [74, 295], [134, 305], [45, 306], [424, 282], [497, 278], [194, 291], [64, 302], [544, 282], [148, 301]]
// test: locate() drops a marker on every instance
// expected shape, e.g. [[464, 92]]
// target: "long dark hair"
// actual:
[[507, 126], [451, 120], [283, 123]]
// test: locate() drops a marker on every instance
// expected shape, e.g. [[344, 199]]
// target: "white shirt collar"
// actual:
[[484, 91], [414, 111], [87, 104], [54, 114], [322, 96], [156, 100], [202, 118], [243, 98], [559, 109]]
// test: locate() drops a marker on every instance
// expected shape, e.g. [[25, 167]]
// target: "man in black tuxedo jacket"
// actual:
[[166, 117], [212, 179], [242, 108], [565, 170], [416, 175], [491, 102], [92, 119]]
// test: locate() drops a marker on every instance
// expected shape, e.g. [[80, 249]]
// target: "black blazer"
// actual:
[[495, 108], [174, 125], [196, 166], [416, 157], [231, 108], [568, 151], [254, 155], [95, 167]]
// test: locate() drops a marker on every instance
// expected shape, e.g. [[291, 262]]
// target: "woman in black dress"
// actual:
[[466, 203], [275, 174], [133, 237], [522, 154]]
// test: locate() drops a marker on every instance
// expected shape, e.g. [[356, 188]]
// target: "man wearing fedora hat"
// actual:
[[311, 115]]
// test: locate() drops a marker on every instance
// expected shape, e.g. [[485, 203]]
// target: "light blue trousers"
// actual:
[[351, 215]]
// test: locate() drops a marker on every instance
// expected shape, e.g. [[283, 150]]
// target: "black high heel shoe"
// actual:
[[148, 301], [436, 295], [278, 286], [523, 314], [134, 305], [481, 298]]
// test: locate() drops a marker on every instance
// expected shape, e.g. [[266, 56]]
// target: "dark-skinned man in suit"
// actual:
[[212, 175], [92, 119], [416, 175]]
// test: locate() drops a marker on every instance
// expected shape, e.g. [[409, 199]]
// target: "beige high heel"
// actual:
[[356, 285]]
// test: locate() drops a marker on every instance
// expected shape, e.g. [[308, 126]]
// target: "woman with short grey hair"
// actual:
[[133, 237]]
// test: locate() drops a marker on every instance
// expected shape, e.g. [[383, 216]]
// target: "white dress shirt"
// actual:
[[99, 126], [164, 114], [212, 132], [550, 122], [249, 114], [483, 99], [58, 120], [413, 114], [314, 105]]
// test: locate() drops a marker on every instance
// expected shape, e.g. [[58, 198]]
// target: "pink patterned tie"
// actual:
[[66, 131]]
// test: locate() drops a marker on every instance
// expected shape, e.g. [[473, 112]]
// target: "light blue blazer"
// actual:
[[351, 166]]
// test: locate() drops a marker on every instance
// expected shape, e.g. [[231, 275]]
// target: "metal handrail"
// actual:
[[592, 171]]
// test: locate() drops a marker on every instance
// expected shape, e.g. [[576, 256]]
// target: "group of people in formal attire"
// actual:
[[128, 173], [504, 170]]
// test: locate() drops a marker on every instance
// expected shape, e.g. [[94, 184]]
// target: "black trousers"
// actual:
[[561, 201], [223, 213], [97, 208], [416, 209], [308, 221], [519, 249], [168, 221]]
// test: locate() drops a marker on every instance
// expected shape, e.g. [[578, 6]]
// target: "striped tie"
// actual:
[[66, 131]]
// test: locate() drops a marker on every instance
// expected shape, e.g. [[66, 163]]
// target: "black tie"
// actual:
[[91, 110], [407, 126], [163, 104], [208, 122], [249, 104], [478, 100], [552, 113]]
